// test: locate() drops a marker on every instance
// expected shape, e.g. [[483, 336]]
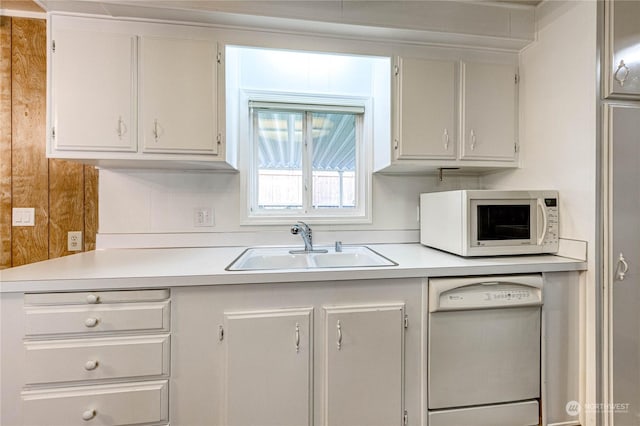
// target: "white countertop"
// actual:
[[173, 267]]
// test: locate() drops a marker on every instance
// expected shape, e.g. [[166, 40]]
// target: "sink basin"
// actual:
[[271, 258]]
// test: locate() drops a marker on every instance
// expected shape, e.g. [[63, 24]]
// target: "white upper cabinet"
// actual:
[[451, 114], [489, 112], [93, 99], [136, 94], [425, 119], [622, 55], [178, 95], [364, 365]]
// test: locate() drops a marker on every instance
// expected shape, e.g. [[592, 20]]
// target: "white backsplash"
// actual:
[[156, 208]]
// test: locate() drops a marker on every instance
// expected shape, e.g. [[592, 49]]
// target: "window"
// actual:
[[306, 159], [305, 123]]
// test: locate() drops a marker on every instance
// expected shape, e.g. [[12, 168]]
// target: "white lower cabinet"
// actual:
[[93, 359], [267, 367], [102, 405], [99, 358], [363, 348], [296, 354]]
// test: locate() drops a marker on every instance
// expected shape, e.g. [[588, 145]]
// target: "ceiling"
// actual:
[[31, 6]]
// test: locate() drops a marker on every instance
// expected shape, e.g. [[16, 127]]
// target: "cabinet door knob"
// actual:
[[91, 365], [88, 415], [623, 70], [473, 139], [445, 139], [122, 128], [622, 268], [93, 299], [91, 322]]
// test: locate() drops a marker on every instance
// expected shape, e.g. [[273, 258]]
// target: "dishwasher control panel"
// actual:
[[483, 294]]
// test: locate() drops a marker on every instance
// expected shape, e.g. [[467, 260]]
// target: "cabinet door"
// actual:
[[178, 95], [489, 112], [623, 277], [622, 33], [363, 383], [425, 109], [268, 368], [92, 91]]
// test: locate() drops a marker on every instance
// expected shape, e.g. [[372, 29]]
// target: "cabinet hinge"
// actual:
[[405, 418], [220, 333], [517, 79], [53, 46], [406, 321], [219, 57]]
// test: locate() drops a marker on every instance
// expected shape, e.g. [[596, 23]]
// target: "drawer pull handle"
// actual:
[[93, 299], [91, 322], [91, 365], [88, 415]]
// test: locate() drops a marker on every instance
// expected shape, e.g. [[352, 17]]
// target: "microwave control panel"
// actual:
[[552, 231]]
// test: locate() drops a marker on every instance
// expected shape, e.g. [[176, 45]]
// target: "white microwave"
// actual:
[[489, 222]]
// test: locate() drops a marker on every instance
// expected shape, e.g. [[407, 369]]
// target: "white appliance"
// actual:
[[484, 350], [488, 222]]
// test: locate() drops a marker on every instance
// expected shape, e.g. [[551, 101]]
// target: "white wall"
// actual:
[[163, 202], [558, 136]]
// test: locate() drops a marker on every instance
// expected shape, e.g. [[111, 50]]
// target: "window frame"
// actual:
[[252, 100]]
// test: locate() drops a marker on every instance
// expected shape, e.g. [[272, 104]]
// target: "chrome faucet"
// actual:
[[305, 232]]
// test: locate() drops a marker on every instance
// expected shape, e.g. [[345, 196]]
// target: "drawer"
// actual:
[[96, 297], [94, 359], [41, 320], [112, 405]]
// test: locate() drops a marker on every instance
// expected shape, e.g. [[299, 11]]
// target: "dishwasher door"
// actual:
[[484, 340]]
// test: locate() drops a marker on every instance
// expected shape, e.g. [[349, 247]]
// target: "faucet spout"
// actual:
[[305, 232]]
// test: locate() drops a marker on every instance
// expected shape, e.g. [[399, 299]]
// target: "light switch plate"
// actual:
[[23, 216]]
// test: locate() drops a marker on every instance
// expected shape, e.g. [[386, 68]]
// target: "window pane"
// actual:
[[334, 160], [280, 138]]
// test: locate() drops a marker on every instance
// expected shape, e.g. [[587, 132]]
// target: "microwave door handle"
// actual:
[[544, 222]]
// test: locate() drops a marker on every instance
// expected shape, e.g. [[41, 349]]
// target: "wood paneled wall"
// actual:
[[64, 194]]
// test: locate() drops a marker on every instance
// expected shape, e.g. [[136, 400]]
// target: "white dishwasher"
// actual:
[[484, 350]]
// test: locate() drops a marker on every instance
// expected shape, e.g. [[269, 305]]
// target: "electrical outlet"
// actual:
[[203, 217], [74, 241]]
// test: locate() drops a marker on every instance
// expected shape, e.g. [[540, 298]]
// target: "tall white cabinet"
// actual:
[[622, 50], [622, 277]]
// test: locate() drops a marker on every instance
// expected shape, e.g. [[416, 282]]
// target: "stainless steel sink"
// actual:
[[273, 258]]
